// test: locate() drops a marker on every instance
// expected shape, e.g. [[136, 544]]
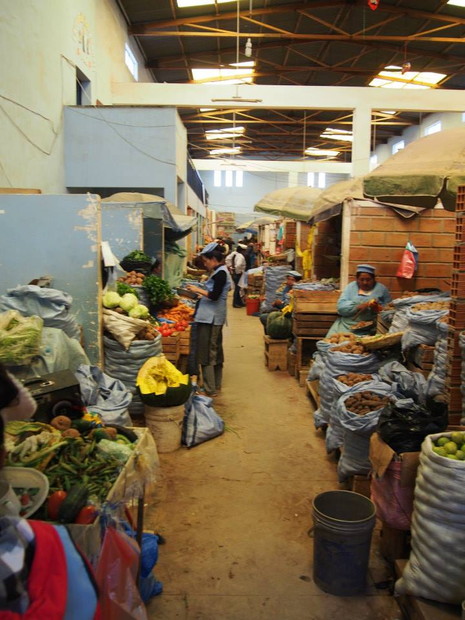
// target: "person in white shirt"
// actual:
[[235, 262]]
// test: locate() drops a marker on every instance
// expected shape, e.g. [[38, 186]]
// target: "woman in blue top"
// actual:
[[360, 301], [209, 318]]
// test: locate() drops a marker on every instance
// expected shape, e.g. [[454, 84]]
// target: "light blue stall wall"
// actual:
[[122, 228], [58, 236], [121, 147]]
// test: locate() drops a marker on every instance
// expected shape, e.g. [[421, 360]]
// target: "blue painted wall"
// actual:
[[122, 227], [122, 147], [55, 235]]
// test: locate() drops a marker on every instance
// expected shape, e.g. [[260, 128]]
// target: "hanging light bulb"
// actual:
[[406, 66], [248, 48]]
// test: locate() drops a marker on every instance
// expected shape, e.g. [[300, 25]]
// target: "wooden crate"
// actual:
[[312, 323], [171, 347], [276, 353], [360, 484], [313, 392], [394, 544], [315, 301], [381, 326], [184, 341], [291, 363], [417, 608], [302, 377], [305, 347]]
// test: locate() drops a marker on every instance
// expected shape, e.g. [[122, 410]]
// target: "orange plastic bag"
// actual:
[[116, 577]]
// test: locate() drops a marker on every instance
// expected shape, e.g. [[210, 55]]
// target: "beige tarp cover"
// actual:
[[292, 202], [427, 169], [255, 223]]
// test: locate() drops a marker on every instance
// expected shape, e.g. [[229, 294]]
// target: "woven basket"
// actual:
[[136, 265], [381, 341]]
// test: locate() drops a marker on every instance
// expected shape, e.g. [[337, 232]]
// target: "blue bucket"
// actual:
[[343, 525]]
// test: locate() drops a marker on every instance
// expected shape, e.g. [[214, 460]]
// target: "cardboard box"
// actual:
[[381, 455]]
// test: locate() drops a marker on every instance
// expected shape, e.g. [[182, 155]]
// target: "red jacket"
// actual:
[[48, 577]]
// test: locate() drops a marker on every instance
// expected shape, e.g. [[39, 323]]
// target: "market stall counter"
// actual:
[[95, 478]]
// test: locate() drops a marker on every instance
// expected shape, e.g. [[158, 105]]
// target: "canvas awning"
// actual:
[[291, 202], [331, 201], [426, 170], [178, 224]]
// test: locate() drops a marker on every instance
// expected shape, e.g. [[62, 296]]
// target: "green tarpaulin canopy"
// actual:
[[330, 201], [426, 170]]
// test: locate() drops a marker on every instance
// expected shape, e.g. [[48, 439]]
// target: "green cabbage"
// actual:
[[111, 299], [139, 312], [128, 301]]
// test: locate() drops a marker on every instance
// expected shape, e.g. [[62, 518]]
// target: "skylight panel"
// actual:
[[223, 75], [314, 152], [226, 151], [337, 134], [182, 4], [408, 79]]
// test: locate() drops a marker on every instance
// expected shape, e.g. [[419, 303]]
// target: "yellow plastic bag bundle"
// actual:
[[158, 374]]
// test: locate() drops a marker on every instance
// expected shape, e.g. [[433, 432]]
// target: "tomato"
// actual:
[[181, 328], [54, 502], [25, 499], [86, 515]]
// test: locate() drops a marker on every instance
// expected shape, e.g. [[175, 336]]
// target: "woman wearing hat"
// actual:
[[209, 318], [360, 301], [283, 295]]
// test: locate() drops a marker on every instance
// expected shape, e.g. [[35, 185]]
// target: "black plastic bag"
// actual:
[[404, 424]]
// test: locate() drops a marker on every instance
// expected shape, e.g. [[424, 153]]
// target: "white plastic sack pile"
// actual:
[[355, 459], [436, 567], [339, 363], [274, 277], [422, 327], [436, 383], [402, 304]]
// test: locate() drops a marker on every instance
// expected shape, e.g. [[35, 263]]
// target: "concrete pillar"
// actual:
[[293, 178], [361, 141]]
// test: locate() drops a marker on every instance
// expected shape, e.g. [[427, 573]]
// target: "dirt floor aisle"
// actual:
[[236, 510]]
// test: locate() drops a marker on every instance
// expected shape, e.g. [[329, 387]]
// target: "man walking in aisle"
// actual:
[[235, 262]]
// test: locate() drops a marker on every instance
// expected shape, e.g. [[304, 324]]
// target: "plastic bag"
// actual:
[[51, 305], [394, 502], [104, 395], [149, 586], [404, 424], [123, 328], [409, 262], [201, 422], [20, 337], [116, 577]]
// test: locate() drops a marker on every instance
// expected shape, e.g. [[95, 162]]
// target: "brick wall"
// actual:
[[378, 236], [327, 249]]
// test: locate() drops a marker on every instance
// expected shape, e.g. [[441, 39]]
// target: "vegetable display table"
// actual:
[[139, 472]]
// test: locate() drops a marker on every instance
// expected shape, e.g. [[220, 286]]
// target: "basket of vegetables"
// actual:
[[137, 261]]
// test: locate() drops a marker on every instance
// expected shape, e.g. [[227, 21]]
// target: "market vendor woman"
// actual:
[[209, 318], [360, 302]]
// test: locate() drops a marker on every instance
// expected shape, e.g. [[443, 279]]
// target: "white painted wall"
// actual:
[[41, 43]]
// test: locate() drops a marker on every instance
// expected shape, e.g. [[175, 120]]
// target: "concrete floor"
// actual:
[[236, 511]]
